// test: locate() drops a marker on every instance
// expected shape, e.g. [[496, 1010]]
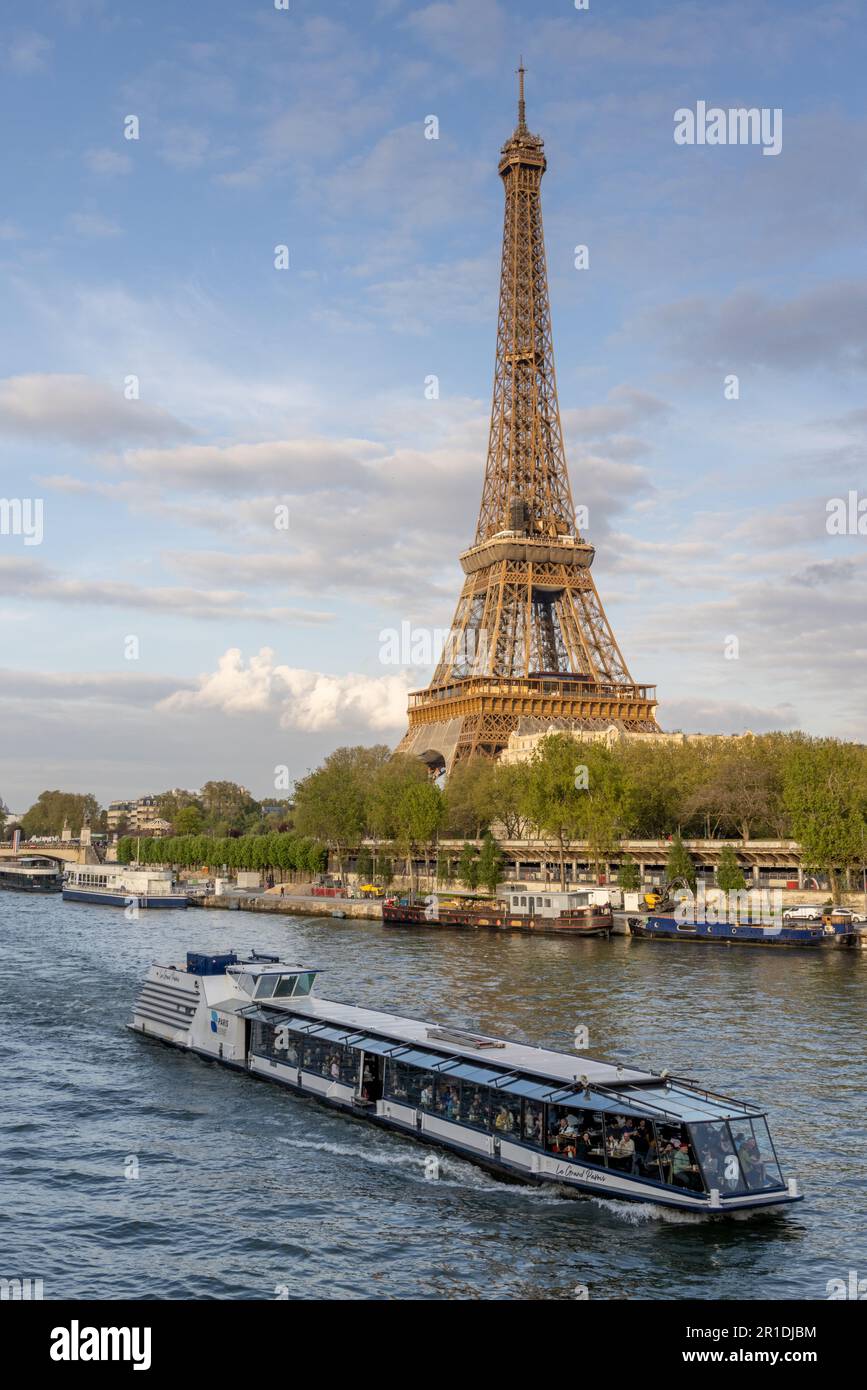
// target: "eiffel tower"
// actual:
[[530, 645]]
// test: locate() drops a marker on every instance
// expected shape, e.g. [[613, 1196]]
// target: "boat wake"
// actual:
[[452, 1172]]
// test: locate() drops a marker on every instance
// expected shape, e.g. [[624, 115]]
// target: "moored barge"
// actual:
[[31, 874], [524, 1113], [523, 909], [811, 935], [120, 885]]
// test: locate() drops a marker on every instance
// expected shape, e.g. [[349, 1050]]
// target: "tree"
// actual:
[[628, 875], [468, 866], [171, 802], [364, 864], [679, 864], [742, 788], [419, 814], [228, 804], [490, 863], [730, 875], [825, 794], [188, 821], [332, 803], [470, 797], [551, 795], [390, 777], [52, 808]]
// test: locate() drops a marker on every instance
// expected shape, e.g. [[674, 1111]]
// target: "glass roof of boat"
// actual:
[[608, 1088]]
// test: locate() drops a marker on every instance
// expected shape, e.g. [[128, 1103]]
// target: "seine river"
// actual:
[[244, 1191]]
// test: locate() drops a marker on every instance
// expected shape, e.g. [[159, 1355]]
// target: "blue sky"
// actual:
[[304, 388]]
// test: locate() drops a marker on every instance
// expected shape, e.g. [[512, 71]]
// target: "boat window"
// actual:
[[532, 1125], [285, 986], [576, 1134], [475, 1105], [265, 987], [713, 1147], [305, 982], [506, 1115], [403, 1083], [447, 1098], [631, 1147], [277, 1041], [756, 1153], [330, 1059], [246, 983]]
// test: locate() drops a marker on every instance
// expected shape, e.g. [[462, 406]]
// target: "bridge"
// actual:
[[66, 852]]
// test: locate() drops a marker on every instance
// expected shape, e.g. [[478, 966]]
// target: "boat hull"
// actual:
[[581, 923], [731, 933], [93, 895], [30, 887]]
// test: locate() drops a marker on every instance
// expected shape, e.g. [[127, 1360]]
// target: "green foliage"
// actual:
[[48, 813], [364, 864], [679, 864], [276, 850], [628, 875], [825, 794], [468, 866], [188, 821], [332, 803], [490, 863], [729, 875]]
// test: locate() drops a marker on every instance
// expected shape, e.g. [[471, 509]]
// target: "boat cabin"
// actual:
[[543, 901]]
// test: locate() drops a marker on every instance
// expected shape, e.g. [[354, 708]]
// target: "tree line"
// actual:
[[274, 850], [777, 786]]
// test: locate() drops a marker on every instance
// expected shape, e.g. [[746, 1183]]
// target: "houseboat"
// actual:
[[524, 1113], [120, 885], [805, 934], [31, 874], [517, 908]]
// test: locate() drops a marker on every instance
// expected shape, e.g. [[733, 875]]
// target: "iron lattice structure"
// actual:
[[530, 645]]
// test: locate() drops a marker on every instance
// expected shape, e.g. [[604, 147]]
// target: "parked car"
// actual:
[[807, 912]]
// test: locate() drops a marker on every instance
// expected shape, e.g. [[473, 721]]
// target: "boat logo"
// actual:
[[213, 1020]]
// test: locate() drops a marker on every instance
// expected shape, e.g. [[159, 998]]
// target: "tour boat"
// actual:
[[808, 934], [526, 1114], [520, 909], [31, 875], [119, 885]]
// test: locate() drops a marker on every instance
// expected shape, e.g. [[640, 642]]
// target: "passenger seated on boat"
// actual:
[[426, 1097], [505, 1120], [684, 1172], [532, 1124], [622, 1154], [450, 1103], [750, 1160], [650, 1161], [476, 1109], [334, 1069]]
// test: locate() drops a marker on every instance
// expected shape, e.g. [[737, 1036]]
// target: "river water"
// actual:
[[245, 1191]]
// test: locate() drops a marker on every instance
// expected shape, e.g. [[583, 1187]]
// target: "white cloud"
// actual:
[[79, 410], [107, 161], [307, 700], [28, 52]]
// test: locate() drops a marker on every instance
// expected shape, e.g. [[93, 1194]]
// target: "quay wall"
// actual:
[[294, 905]]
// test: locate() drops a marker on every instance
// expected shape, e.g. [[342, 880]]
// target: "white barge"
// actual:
[[120, 885], [522, 1112]]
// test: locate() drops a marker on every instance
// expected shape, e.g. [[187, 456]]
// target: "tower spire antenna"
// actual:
[[522, 105]]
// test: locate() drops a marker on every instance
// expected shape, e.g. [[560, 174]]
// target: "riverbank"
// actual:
[[293, 905]]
